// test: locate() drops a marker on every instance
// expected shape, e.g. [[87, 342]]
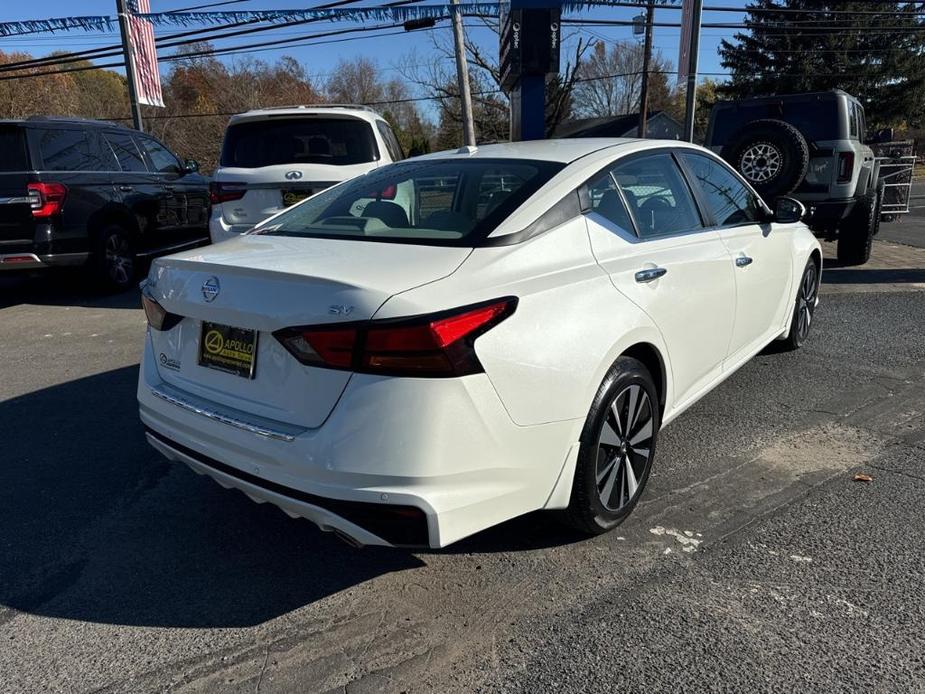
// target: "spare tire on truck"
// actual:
[[771, 155]]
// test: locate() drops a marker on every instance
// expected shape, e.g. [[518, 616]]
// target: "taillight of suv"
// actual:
[[225, 192], [46, 199], [845, 166]]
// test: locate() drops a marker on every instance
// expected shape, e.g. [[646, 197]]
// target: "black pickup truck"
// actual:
[[94, 194]]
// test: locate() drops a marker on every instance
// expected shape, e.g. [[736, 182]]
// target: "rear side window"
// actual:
[[605, 199], [13, 147], [391, 142], [336, 141], [126, 151], [66, 149], [657, 195], [729, 200]]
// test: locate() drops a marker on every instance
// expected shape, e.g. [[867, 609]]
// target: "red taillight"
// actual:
[[46, 199], [224, 192], [438, 345], [845, 166], [158, 317]]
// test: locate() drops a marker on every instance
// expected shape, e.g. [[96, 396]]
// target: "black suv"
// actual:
[[90, 193], [811, 147]]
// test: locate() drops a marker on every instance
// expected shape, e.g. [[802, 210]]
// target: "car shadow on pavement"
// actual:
[[97, 526], [860, 275], [62, 288]]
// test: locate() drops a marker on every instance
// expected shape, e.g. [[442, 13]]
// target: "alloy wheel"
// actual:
[[119, 262], [806, 301], [761, 162], [624, 447]]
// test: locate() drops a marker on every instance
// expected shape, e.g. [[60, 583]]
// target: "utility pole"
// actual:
[[129, 63], [646, 59], [462, 76], [690, 101]]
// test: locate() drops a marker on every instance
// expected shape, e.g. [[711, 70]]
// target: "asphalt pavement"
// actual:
[[757, 560]]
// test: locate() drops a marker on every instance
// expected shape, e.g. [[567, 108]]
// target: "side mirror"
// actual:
[[190, 166], [788, 210]]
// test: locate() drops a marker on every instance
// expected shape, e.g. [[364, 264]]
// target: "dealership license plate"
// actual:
[[291, 197], [228, 349]]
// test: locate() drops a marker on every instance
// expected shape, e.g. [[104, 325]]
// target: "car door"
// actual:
[[646, 231], [139, 189], [761, 251], [186, 198]]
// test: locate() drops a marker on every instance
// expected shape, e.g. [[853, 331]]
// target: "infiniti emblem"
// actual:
[[293, 175], [210, 289]]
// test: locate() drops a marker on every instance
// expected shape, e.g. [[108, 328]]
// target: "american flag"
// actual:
[[141, 40]]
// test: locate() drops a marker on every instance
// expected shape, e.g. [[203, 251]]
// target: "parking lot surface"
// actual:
[[756, 561]]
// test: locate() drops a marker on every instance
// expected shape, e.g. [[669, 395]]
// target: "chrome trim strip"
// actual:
[[175, 247], [21, 200], [266, 432]]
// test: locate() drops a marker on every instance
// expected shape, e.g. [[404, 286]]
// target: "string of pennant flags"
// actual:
[[101, 23]]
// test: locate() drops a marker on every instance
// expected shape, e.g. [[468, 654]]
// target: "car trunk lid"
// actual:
[[265, 283]]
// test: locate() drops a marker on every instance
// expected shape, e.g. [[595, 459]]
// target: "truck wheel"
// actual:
[[772, 155], [856, 234], [114, 259]]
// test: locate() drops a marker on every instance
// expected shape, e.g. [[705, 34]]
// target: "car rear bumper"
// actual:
[[441, 454], [829, 212]]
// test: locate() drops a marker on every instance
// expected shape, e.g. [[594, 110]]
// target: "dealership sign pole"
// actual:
[[529, 52], [141, 70]]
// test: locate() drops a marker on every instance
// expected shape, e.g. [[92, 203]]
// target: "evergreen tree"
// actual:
[[876, 54]]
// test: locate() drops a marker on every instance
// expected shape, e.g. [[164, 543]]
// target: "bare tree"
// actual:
[[491, 106], [610, 81]]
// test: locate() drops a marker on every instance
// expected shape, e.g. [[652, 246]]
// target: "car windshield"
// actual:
[[303, 140], [433, 201]]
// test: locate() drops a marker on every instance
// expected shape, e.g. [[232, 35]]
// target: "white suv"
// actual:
[[274, 157]]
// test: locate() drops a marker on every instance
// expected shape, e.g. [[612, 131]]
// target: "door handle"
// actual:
[[743, 261], [650, 274], [169, 187], [126, 189]]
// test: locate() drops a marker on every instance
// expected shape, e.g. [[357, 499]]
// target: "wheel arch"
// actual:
[[649, 356], [113, 214]]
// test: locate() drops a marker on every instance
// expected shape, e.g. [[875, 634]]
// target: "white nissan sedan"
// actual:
[[448, 342]]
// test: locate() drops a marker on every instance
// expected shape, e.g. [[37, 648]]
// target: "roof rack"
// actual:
[[359, 107], [74, 119]]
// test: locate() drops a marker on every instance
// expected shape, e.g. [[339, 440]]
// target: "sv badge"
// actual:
[[340, 310]]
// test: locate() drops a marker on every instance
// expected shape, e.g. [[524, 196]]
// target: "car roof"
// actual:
[[565, 151], [62, 120], [334, 110]]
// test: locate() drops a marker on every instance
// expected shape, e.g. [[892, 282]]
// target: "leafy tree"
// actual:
[[811, 45]]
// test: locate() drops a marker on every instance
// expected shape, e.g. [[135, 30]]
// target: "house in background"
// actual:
[[660, 126]]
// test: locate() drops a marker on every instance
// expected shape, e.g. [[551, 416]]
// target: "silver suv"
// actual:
[[810, 147], [275, 157]]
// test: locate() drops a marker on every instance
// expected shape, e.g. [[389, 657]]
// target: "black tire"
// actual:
[[114, 263], [628, 386], [804, 307], [856, 233], [771, 155]]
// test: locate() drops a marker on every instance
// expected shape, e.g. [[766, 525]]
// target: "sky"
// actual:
[[387, 51]]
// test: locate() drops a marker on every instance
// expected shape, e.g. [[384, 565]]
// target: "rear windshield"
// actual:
[[816, 119], [13, 156], [337, 141], [432, 202]]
